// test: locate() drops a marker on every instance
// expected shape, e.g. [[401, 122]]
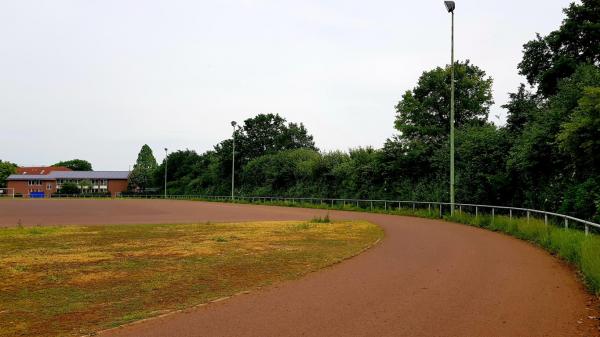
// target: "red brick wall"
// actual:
[[117, 186], [22, 187]]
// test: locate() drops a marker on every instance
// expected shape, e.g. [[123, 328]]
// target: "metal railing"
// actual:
[[375, 204]]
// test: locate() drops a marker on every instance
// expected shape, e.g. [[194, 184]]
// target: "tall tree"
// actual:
[[423, 113], [580, 135], [183, 167], [142, 175], [521, 110], [76, 164], [261, 135], [548, 59], [269, 133]]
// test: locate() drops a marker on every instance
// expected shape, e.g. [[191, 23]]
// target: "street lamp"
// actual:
[[450, 6], [166, 161], [233, 124]]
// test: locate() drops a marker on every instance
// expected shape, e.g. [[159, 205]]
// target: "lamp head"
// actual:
[[450, 6], [233, 123]]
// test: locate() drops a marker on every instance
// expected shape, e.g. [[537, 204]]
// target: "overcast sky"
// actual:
[[97, 79]]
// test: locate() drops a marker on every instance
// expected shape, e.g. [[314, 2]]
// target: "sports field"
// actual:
[[425, 278]]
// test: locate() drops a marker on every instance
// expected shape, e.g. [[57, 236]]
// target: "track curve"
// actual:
[[426, 278]]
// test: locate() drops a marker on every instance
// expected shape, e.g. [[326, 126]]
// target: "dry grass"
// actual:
[[69, 281]]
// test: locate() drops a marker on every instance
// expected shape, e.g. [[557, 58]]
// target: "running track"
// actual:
[[426, 278]]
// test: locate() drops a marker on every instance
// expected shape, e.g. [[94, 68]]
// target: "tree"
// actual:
[[85, 186], [69, 188], [521, 108], [423, 113], [580, 135], [76, 164], [481, 174], [283, 173], [6, 169], [261, 135], [142, 175], [415, 163], [541, 161], [268, 133], [182, 168], [548, 59]]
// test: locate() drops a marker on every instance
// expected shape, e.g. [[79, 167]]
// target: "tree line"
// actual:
[[546, 156]]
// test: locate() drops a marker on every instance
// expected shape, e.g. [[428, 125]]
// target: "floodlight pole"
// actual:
[[451, 6], [233, 124], [166, 161]]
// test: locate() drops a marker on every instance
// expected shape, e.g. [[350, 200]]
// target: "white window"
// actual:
[[49, 187]]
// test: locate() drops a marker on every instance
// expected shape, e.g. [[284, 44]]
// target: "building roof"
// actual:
[[40, 170], [109, 175]]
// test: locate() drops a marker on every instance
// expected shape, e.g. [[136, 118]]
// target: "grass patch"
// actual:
[[64, 281], [324, 219]]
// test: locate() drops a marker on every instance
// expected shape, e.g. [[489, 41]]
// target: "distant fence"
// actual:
[[433, 207]]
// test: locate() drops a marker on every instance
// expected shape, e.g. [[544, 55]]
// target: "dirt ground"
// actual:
[[426, 278]]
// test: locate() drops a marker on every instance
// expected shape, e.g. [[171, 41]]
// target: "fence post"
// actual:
[[385, 205], [546, 219], [413, 207], [371, 205], [429, 208], [527, 216], [510, 212], [587, 229], [476, 212], [493, 213], [566, 223], [441, 215]]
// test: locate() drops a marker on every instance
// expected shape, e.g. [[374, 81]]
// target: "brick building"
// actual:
[[49, 182]]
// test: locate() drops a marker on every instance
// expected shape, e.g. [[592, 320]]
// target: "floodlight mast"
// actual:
[[166, 161], [450, 6], [233, 124]]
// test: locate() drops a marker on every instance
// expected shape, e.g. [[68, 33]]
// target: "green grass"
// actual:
[[65, 281], [571, 245]]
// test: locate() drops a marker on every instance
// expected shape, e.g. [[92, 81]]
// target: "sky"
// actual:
[[98, 79]]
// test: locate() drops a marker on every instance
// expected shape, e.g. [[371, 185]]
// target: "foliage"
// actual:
[[76, 164], [548, 59], [142, 175], [423, 113], [580, 135], [85, 186], [210, 172], [522, 107], [480, 154], [547, 156], [6, 169], [69, 188]]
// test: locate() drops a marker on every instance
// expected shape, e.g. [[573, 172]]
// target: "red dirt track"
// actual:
[[426, 278]]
